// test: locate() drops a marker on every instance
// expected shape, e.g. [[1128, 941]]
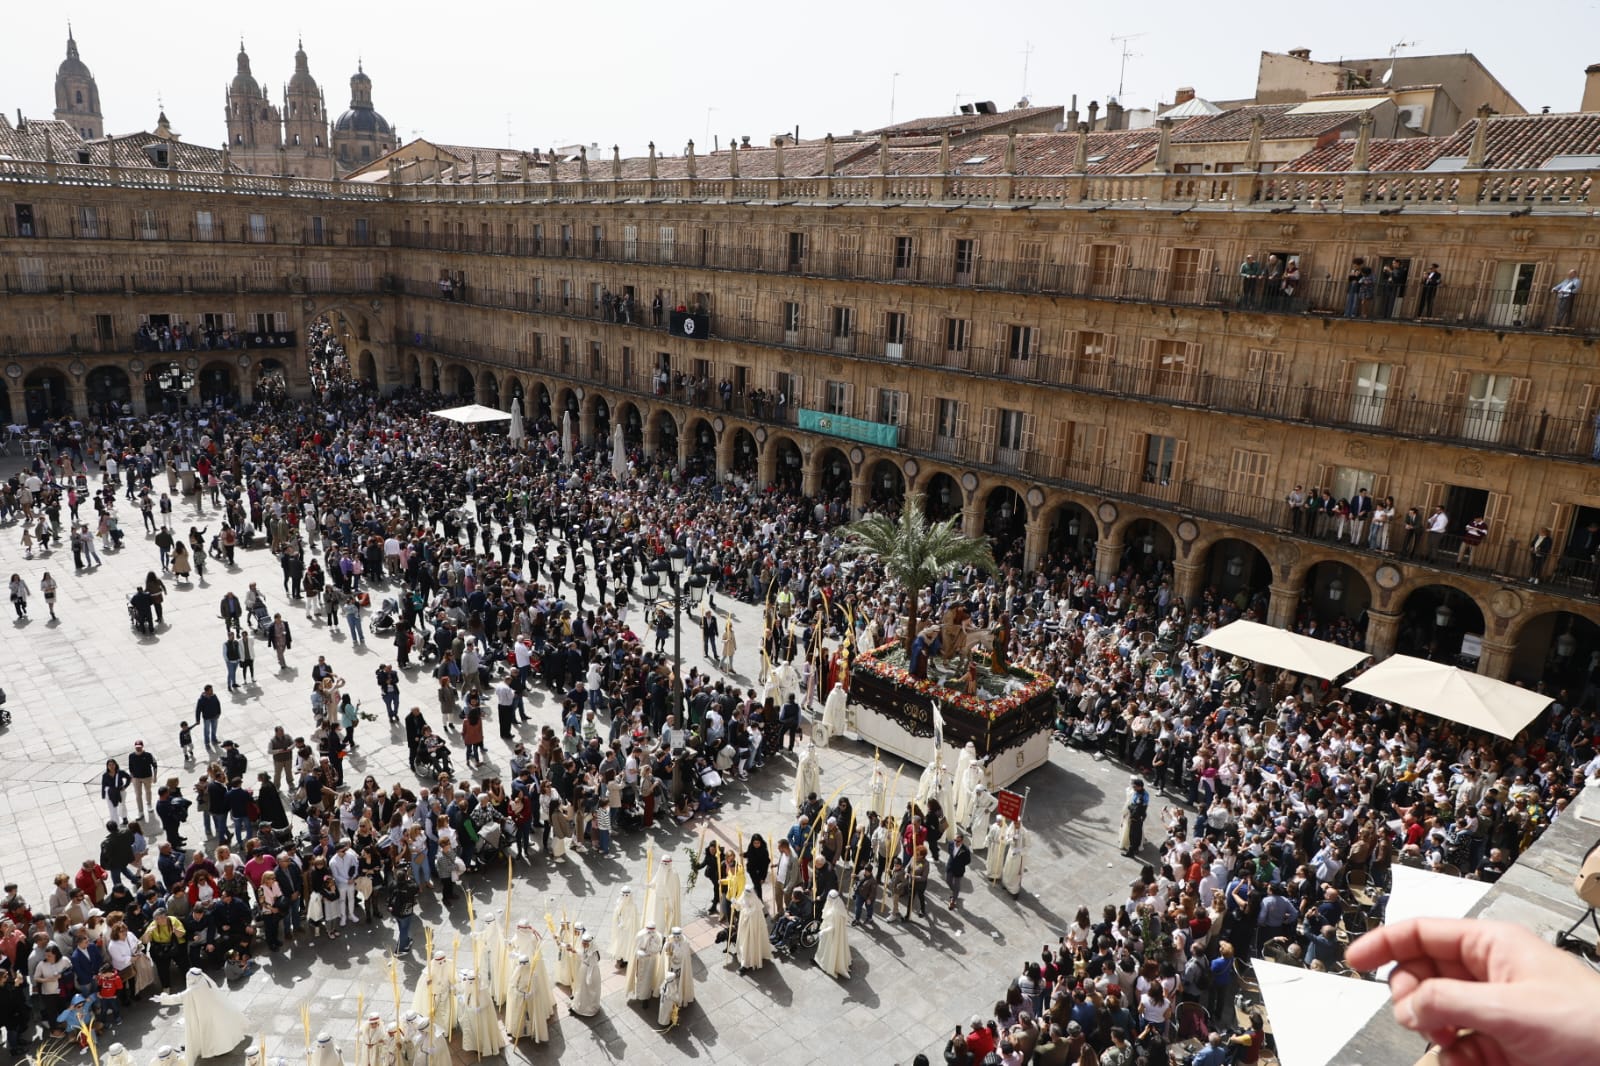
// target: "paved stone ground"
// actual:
[[82, 689]]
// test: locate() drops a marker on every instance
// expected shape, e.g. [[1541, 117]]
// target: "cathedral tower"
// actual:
[[255, 128], [305, 123], [77, 97]]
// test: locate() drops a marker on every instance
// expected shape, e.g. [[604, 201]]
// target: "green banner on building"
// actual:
[[887, 436]]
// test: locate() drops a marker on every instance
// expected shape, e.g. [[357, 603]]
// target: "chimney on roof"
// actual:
[[1072, 113], [1480, 138], [1591, 88], [1184, 94], [1300, 53], [1113, 114], [744, 141], [1094, 109]]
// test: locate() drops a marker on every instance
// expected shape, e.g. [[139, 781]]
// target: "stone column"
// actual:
[[247, 386], [1107, 558], [1496, 659], [1035, 538], [972, 515], [811, 479], [1281, 607], [1383, 629], [652, 435], [585, 421], [1188, 579], [724, 454], [767, 464], [136, 398], [78, 399], [860, 492], [685, 447]]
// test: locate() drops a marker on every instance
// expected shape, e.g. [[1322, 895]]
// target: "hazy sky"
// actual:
[[493, 73]]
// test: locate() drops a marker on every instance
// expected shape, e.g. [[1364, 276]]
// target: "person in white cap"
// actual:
[[676, 954], [324, 1052], [982, 817], [544, 989], [165, 1056], [624, 929], [833, 945], [116, 1055], [586, 996], [370, 1038], [489, 953], [643, 976], [754, 948], [395, 1047], [435, 996], [412, 1025], [212, 1026], [480, 1026]]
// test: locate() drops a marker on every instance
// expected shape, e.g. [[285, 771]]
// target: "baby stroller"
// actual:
[[259, 616], [489, 834], [5, 715], [385, 618]]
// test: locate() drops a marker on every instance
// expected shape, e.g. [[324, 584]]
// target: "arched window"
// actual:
[[317, 140], [297, 138], [79, 95], [366, 152], [238, 138]]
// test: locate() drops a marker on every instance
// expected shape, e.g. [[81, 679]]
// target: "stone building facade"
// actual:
[[1069, 360]]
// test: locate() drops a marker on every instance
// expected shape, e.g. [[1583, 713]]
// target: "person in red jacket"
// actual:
[[91, 880]]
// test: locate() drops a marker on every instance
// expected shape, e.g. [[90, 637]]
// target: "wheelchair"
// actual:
[[790, 935], [433, 762]]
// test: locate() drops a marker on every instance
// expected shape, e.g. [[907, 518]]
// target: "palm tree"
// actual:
[[914, 551]]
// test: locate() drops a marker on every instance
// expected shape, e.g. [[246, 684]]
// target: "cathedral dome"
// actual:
[[362, 120], [243, 83], [302, 81]]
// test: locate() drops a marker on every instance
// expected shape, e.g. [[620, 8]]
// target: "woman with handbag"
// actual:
[[270, 904], [165, 938], [122, 949]]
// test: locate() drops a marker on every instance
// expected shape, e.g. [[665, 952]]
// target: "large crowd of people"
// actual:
[[492, 570]]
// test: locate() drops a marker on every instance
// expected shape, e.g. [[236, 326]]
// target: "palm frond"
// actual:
[[913, 551]]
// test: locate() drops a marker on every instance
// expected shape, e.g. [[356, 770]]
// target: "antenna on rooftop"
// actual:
[[1394, 50], [1027, 53], [1122, 72], [894, 83]]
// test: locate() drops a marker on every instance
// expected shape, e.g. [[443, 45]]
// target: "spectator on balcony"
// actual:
[[1249, 282], [1471, 537], [1297, 509], [656, 306], [1430, 288], [1438, 525], [1413, 533], [1272, 285], [1352, 288], [1539, 550], [1291, 282], [446, 288], [1382, 516], [1393, 291], [1566, 291], [1360, 515]]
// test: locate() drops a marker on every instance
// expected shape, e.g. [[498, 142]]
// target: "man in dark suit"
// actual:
[[958, 858], [280, 638]]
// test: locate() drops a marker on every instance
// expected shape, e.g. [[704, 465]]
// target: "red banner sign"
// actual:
[[1009, 804]]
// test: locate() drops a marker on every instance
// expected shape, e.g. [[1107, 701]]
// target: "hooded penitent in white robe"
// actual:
[[754, 947], [1016, 847], [982, 816], [969, 773], [211, 1025], [807, 776], [676, 954], [833, 716], [489, 956], [643, 977], [521, 1019], [664, 901], [624, 929], [435, 997], [480, 1025], [370, 1039], [324, 1052], [671, 992], [878, 791], [833, 944], [999, 836], [586, 997]]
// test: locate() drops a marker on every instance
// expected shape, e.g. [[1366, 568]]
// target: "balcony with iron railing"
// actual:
[[1522, 429], [1504, 559], [143, 284]]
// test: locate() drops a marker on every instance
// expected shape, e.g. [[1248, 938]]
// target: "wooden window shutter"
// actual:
[[1138, 444], [1432, 496], [1061, 442], [1518, 400], [1456, 388], [1203, 268], [1027, 435], [1323, 478], [1498, 512], [930, 410], [872, 403], [961, 420], [1394, 410], [1560, 527], [986, 433], [1380, 488], [1161, 284], [1346, 377], [1096, 438], [1179, 458], [850, 399]]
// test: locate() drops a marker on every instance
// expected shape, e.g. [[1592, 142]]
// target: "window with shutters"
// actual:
[[1487, 401], [1103, 266], [667, 240], [1091, 359], [258, 228], [537, 285], [955, 334], [1349, 481], [205, 226], [1173, 372], [1265, 375], [791, 322], [36, 331], [362, 277], [891, 407], [966, 257], [597, 241], [88, 221], [566, 353], [1369, 393], [566, 294], [1019, 342], [538, 348], [318, 277], [208, 269], [847, 257], [796, 245], [747, 311], [1009, 429], [105, 332], [1247, 474], [947, 422], [841, 328], [597, 358], [566, 239], [904, 257], [1185, 274], [149, 225], [836, 397], [1160, 455], [630, 242], [894, 334], [30, 273], [1030, 256], [91, 274]]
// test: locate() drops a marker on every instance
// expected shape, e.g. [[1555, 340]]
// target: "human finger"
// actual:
[[1475, 1049]]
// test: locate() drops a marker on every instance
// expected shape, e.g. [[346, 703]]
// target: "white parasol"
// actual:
[[566, 438], [619, 453]]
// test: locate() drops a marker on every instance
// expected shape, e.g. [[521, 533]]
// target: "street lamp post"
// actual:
[[665, 584]]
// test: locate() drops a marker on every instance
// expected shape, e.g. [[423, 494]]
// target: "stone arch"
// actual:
[[1005, 517], [415, 376], [163, 386], [632, 420], [46, 394], [1238, 569], [745, 457], [1072, 530], [1147, 543], [5, 403], [1559, 649], [832, 472], [789, 461], [942, 496], [598, 411], [218, 383], [1332, 589], [661, 433], [489, 389], [543, 401], [462, 383], [886, 483], [107, 389], [1434, 620]]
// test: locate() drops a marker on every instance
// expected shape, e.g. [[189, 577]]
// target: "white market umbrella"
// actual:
[[566, 438], [1452, 694], [516, 432], [471, 414], [1279, 647], [619, 453]]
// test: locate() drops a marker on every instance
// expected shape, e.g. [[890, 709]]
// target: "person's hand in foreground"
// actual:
[[1526, 1003]]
